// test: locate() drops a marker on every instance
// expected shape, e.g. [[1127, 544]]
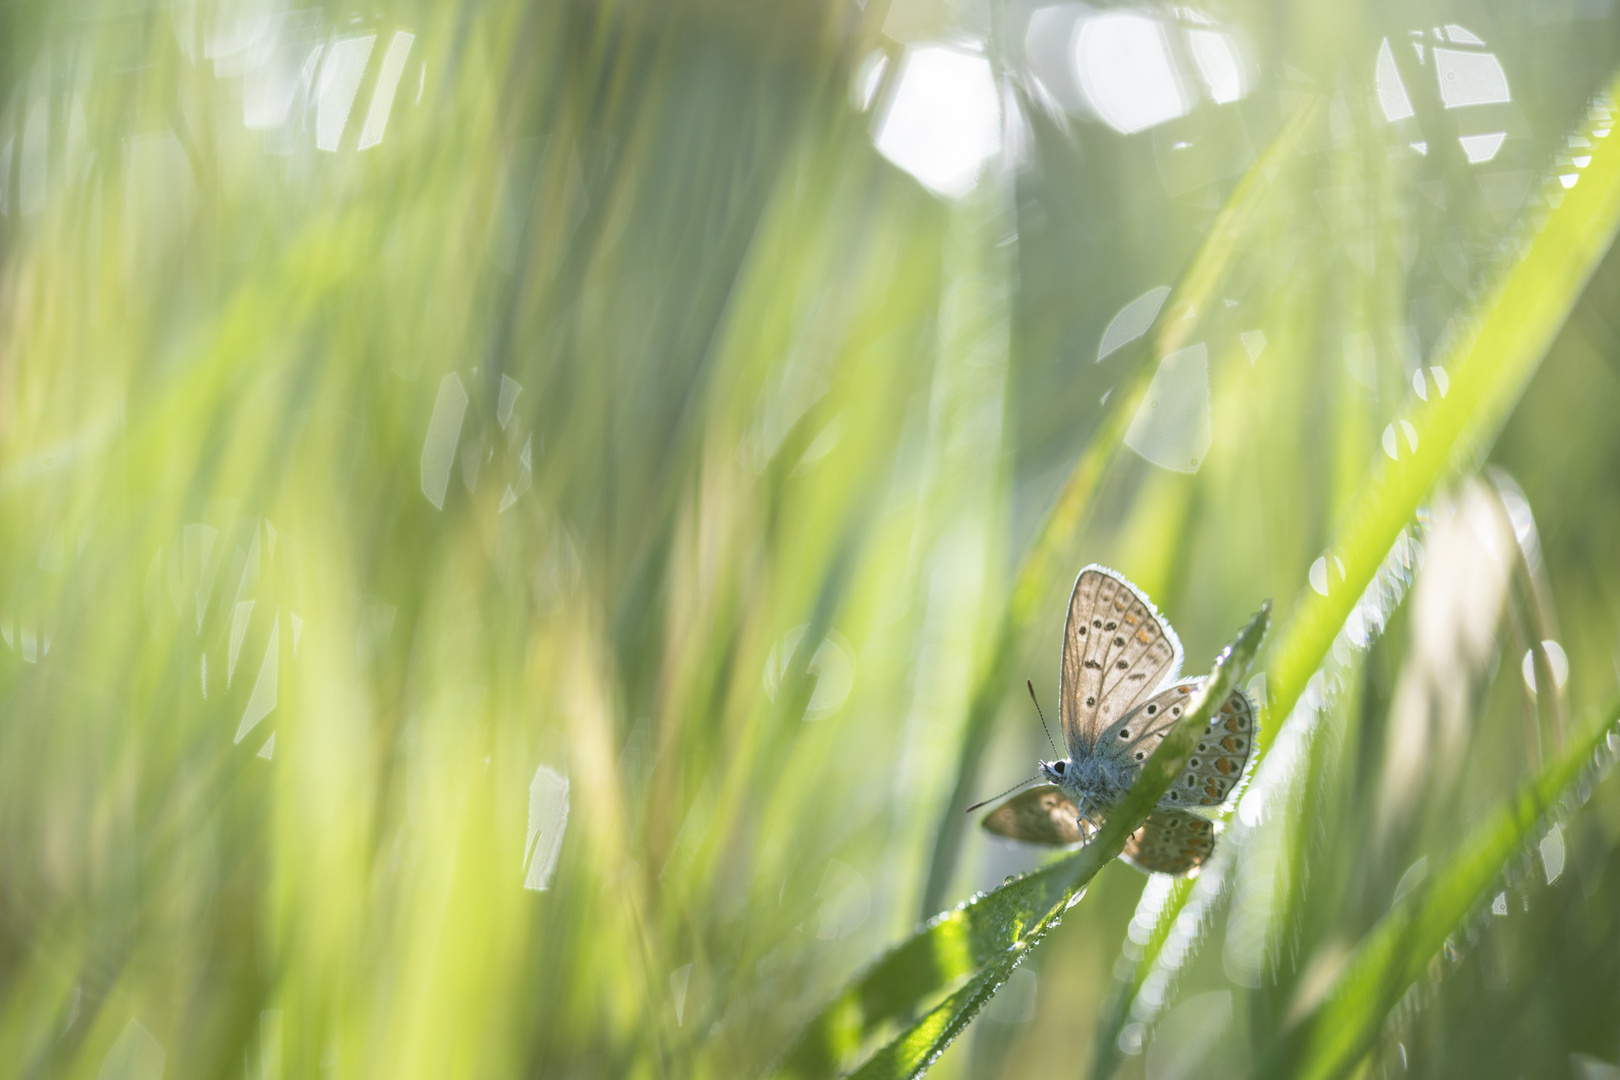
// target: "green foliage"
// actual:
[[1331, 1039], [419, 419], [1502, 341]]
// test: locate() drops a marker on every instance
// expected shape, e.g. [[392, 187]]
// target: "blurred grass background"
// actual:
[[419, 419]]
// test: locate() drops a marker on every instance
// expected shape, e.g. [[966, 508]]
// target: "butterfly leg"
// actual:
[[1085, 821]]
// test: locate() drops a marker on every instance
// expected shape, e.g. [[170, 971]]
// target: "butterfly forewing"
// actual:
[[1171, 842], [1116, 651], [1041, 815]]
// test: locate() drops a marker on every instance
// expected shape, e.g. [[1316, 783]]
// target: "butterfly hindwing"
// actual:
[[1041, 815], [1171, 842], [1222, 754], [1218, 760], [1116, 651]]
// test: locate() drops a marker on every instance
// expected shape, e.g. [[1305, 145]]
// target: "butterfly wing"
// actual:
[[1041, 815], [1170, 842], [1222, 755], [1217, 762], [1116, 650]]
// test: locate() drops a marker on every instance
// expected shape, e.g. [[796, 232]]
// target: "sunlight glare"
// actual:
[[944, 122]]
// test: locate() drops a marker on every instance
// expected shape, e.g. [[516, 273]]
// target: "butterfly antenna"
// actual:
[[1009, 791], [1041, 715]]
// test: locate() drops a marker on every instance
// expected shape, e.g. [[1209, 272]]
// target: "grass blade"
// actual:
[[1334, 1036], [1490, 364]]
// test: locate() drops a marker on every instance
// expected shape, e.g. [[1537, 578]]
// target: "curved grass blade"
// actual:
[[1116, 1009], [1394, 954], [1513, 326], [985, 938], [1490, 364], [1197, 290], [1389, 589]]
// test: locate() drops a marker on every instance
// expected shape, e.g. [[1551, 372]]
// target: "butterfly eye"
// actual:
[[1058, 767]]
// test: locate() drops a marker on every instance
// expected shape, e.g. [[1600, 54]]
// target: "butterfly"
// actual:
[[1118, 696]]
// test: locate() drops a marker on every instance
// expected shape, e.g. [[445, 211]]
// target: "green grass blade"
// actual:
[[1334, 1036], [1045, 564], [986, 937], [1490, 365], [1116, 1010]]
